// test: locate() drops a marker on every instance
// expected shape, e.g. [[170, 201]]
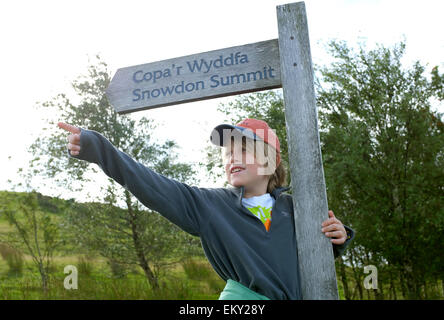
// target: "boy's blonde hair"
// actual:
[[278, 178]]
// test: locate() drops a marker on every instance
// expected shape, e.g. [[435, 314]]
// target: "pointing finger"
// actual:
[[68, 127]]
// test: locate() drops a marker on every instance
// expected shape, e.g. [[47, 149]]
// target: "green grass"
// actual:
[[98, 283], [194, 280]]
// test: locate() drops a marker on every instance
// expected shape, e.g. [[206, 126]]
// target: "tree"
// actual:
[[383, 150], [35, 232], [94, 112]]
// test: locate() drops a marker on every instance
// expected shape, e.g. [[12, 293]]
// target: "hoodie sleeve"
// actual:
[[174, 200], [338, 249]]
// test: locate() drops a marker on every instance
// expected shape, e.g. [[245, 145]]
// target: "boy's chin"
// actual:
[[236, 184]]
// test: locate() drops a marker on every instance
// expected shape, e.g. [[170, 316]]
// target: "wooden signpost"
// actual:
[[284, 62], [207, 75]]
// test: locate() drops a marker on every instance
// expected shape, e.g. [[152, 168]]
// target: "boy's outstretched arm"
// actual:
[[176, 201]]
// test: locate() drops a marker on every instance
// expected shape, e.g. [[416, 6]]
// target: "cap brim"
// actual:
[[217, 135]]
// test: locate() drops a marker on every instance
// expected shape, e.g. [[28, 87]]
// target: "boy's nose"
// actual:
[[236, 158]]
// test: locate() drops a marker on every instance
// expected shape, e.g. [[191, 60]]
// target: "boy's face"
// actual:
[[241, 167]]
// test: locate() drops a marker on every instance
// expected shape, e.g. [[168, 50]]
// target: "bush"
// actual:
[[117, 269], [14, 259], [196, 270], [84, 265], [203, 273]]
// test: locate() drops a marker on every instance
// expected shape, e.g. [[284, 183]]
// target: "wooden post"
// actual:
[[315, 251]]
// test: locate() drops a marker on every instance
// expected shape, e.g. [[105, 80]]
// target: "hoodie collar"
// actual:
[[239, 191]]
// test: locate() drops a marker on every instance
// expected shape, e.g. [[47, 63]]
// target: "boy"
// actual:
[[247, 232]]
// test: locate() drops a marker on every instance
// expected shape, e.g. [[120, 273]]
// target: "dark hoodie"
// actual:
[[235, 241]]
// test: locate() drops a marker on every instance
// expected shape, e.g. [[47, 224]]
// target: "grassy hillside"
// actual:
[[193, 278]]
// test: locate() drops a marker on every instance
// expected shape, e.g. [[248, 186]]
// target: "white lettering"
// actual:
[[373, 277], [243, 309], [70, 281], [196, 310]]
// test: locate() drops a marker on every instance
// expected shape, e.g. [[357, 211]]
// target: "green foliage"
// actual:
[[118, 269], [195, 269], [383, 157], [96, 287], [34, 231], [84, 265]]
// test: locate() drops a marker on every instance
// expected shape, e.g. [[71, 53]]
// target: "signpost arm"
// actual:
[[316, 260]]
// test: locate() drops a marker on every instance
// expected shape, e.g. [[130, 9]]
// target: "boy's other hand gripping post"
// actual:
[[333, 228]]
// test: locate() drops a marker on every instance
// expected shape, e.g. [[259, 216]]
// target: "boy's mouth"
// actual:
[[236, 169]]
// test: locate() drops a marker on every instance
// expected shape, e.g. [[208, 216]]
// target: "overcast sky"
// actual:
[[46, 44]]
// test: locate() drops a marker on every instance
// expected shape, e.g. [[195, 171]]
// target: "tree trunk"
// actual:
[[403, 285], [143, 262], [44, 278], [426, 296], [442, 287], [392, 287], [355, 274], [380, 292], [412, 286], [342, 270]]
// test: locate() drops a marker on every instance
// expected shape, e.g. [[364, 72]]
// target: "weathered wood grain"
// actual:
[[316, 261]]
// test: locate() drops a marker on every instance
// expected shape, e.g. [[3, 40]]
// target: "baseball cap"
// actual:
[[251, 128]]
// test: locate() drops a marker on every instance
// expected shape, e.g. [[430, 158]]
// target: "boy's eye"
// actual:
[[231, 152]]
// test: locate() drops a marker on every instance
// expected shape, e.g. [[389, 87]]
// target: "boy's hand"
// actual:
[[73, 138], [333, 228]]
